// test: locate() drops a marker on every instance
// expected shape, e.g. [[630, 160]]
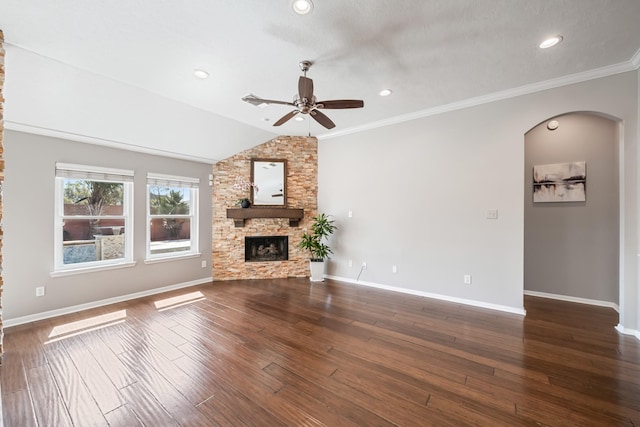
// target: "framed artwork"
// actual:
[[560, 182]]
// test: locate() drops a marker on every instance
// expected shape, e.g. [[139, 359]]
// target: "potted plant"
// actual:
[[244, 185], [321, 228], [244, 202]]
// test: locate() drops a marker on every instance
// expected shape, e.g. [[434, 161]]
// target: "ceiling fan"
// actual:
[[305, 101]]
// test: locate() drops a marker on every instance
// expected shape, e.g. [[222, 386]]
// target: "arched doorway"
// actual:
[[572, 249]]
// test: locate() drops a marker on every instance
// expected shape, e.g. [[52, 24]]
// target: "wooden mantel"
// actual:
[[240, 214]]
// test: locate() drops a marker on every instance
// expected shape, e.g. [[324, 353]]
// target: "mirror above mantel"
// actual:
[[269, 177]]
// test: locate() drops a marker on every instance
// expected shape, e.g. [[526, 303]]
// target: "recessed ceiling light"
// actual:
[[299, 119], [550, 42], [201, 74], [302, 7], [385, 92]]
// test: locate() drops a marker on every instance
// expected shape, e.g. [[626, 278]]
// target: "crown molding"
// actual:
[[610, 70]]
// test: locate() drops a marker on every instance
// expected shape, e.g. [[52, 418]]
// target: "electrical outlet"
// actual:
[[394, 269], [204, 263], [364, 265], [40, 291], [492, 214], [350, 214], [467, 279], [350, 263]]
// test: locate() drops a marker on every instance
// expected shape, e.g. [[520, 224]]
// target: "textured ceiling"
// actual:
[[429, 52]]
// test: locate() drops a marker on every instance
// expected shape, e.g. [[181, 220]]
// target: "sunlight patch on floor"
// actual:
[[180, 300], [78, 327]]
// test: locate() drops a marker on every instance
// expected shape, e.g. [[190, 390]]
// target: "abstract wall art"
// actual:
[[560, 182]]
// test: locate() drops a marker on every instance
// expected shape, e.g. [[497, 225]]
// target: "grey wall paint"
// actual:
[[419, 191], [572, 248], [28, 199]]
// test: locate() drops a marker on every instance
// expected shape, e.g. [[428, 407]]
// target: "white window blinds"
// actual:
[[161, 180], [93, 173]]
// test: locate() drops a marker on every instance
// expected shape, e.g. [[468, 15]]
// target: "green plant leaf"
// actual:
[[321, 228]]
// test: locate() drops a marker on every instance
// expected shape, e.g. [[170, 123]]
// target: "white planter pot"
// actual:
[[317, 271]]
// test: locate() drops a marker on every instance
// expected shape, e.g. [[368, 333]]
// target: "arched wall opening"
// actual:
[[572, 248]]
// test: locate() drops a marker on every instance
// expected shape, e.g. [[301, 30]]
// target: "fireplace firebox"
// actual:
[[266, 248]]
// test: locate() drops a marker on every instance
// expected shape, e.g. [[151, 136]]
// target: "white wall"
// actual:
[[47, 97], [28, 203], [419, 191], [571, 249]]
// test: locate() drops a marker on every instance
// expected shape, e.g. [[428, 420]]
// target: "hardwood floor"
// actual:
[[292, 353]]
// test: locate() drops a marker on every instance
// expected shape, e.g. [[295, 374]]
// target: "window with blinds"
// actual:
[[93, 216], [172, 216]]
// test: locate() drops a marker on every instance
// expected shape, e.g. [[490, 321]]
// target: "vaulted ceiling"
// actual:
[[430, 53]]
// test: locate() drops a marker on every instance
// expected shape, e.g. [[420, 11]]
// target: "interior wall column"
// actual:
[[1, 176]]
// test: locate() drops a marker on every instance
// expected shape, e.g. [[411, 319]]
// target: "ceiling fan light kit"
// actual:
[[305, 101]]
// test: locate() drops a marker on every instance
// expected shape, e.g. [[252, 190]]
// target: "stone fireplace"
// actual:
[[1, 171], [228, 252], [266, 248]]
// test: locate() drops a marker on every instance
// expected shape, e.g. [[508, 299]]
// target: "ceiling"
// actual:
[[429, 52]]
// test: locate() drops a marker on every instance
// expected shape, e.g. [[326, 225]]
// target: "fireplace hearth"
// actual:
[[266, 248]]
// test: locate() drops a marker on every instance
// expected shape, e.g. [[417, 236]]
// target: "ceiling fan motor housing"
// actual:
[[304, 105]]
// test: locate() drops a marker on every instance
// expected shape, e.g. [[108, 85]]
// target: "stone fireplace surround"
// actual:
[[1, 175], [228, 254]]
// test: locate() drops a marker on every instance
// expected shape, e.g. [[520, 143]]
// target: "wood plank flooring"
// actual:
[[292, 353]]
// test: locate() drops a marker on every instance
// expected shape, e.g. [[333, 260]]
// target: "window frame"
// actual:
[[174, 181], [99, 174]]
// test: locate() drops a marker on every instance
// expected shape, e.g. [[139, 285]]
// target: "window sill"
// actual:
[[172, 258], [71, 272]]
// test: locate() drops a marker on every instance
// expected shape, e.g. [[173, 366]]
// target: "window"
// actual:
[[172, 216], [93, 217]]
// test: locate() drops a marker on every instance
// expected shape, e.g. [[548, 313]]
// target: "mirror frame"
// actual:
[[256, 162]]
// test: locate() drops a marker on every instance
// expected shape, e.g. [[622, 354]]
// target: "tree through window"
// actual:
[[172, 213], [93, 210]]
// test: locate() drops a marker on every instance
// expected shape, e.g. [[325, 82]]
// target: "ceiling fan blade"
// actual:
[[286, 118], [305, 88], [340, 103], [255, 100], [322, 119]]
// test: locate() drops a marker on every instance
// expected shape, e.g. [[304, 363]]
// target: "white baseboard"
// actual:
[[598, 303], [481, 304], [7, 323], [626, 331], [574, 299]]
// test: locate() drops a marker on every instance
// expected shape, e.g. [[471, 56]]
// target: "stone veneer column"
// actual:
[[1, 176], [228, 262]]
